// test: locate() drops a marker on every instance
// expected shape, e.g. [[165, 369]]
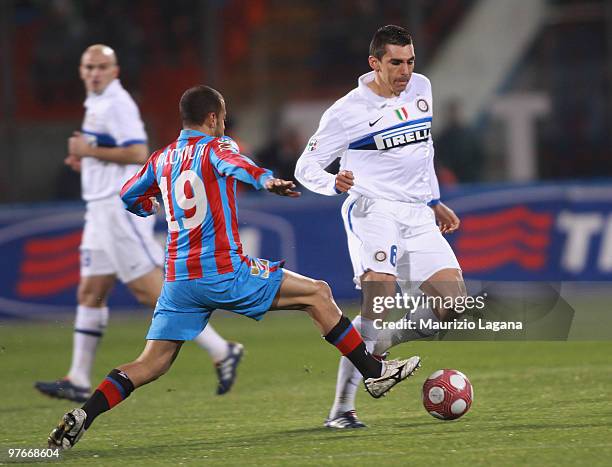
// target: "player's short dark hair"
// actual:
[[390, 34], [197, 102]]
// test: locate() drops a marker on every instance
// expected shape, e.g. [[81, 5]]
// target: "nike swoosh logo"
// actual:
[[374, 122]]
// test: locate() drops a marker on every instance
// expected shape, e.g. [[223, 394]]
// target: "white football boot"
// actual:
[[69, 430], [394, 371]]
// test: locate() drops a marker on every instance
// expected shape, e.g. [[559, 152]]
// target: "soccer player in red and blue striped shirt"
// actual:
[[206, 269]]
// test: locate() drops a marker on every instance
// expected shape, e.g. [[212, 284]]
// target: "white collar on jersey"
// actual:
[[112, 88], [367, 93]]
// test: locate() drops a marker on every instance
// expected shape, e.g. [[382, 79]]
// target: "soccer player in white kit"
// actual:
[[116, 245], [393, 216]]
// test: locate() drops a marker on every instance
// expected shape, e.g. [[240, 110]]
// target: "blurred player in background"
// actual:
[[381, 131], [196, 178], [110, 149]]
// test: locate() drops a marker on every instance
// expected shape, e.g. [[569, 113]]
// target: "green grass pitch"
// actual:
[[536, 403]]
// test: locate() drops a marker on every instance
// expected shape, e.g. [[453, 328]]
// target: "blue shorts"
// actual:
[[184, 307]]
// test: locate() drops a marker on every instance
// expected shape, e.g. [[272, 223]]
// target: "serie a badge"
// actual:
[[422, 105]]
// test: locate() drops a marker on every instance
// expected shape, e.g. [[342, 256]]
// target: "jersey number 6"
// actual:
[[190, 195]]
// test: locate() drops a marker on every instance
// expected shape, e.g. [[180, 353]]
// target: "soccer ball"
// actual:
[[447, 394]]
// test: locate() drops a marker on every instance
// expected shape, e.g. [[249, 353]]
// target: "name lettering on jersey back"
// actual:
[[180, 155]]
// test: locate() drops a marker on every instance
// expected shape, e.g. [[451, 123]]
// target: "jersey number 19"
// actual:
[[190, 195]]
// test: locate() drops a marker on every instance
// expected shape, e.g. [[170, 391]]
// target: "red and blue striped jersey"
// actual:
[[195, 177]]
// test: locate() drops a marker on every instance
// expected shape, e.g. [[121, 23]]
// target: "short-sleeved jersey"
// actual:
[[111, 119], [385, 142], [196, 176]]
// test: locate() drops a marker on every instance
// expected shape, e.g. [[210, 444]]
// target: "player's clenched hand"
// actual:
[[344, 181], [78, 145], [281, 187], [73, 162], [446, 218]]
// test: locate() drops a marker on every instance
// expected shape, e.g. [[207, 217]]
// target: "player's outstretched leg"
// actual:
[[225, 355], [342, 414], [315, 297], [155, 360]]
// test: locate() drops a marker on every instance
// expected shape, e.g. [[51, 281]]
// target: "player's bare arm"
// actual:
[[344, 181], [446, 218], [78, 147], [282, 187]]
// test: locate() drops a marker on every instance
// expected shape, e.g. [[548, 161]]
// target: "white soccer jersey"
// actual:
[[385, 142], [111, 119]]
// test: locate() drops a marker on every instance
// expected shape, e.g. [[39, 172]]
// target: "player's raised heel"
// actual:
[[226, 368], [69, 430], [394, 372]]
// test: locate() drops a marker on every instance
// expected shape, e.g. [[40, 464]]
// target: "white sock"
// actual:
[[388, 338], [213, 343], [349, 377], [89, 326], [346, 388]]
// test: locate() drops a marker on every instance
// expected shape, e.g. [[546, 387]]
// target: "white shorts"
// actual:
[[395, 238], [116, 241]]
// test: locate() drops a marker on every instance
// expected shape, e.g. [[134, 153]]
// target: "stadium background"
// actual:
[[526, 117], [522, 127]]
